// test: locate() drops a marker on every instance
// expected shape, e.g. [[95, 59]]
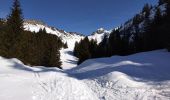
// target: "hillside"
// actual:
[[142, 76]]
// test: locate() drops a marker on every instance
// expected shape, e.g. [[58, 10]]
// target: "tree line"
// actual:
[[139, 34], [35, 49]]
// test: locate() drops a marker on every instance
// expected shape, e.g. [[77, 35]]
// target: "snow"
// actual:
[[68, 60], [142, 76], [20, 82]]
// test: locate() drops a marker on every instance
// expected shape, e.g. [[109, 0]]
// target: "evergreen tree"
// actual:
[[156, 30], [137, 19], [146, 10], [102, 48], [138, 43], [15, 19], [83, 51], [147, 23], [76, 48], [93, 48], [167, 20], [160, 2], [2, 22], [65, 45], [115, 43], [14, 29], [124, 45]]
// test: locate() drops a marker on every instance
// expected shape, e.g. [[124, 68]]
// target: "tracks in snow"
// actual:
[[58, 86]]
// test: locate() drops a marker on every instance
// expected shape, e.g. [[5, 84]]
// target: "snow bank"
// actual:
[[142, 76], [20, 82]]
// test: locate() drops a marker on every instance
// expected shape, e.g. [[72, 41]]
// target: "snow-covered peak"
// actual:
[[69, 37], [101, 30], [99, 35]]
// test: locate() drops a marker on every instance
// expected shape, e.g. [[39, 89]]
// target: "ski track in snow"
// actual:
[[98, 79], [58, 87]]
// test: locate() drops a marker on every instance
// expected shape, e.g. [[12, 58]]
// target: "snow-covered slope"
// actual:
[[142, 76], [20, 82]]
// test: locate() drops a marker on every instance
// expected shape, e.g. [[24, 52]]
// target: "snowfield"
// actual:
[[142, 76]]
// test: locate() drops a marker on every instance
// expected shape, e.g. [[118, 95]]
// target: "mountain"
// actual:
[[99, 34], [137, 23], [69, 37], [66, 55]]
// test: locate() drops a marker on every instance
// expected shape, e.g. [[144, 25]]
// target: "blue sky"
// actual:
[[83, 16]]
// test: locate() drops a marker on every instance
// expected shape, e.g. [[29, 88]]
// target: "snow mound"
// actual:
[[142, 76], [20, 82]]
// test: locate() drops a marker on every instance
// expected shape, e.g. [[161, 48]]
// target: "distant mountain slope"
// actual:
[[137, 23], [69, 37]]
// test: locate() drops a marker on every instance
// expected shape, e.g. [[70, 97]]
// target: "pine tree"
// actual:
[[93, 48], [65, 45], [82, 50], [146, 10], [138, 42], [14, 29], [76, 49], [137, 19], [2, 22], [167, 30], [156, 30], [103, 47], [147, 23], [15, 19], [160, 2]]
